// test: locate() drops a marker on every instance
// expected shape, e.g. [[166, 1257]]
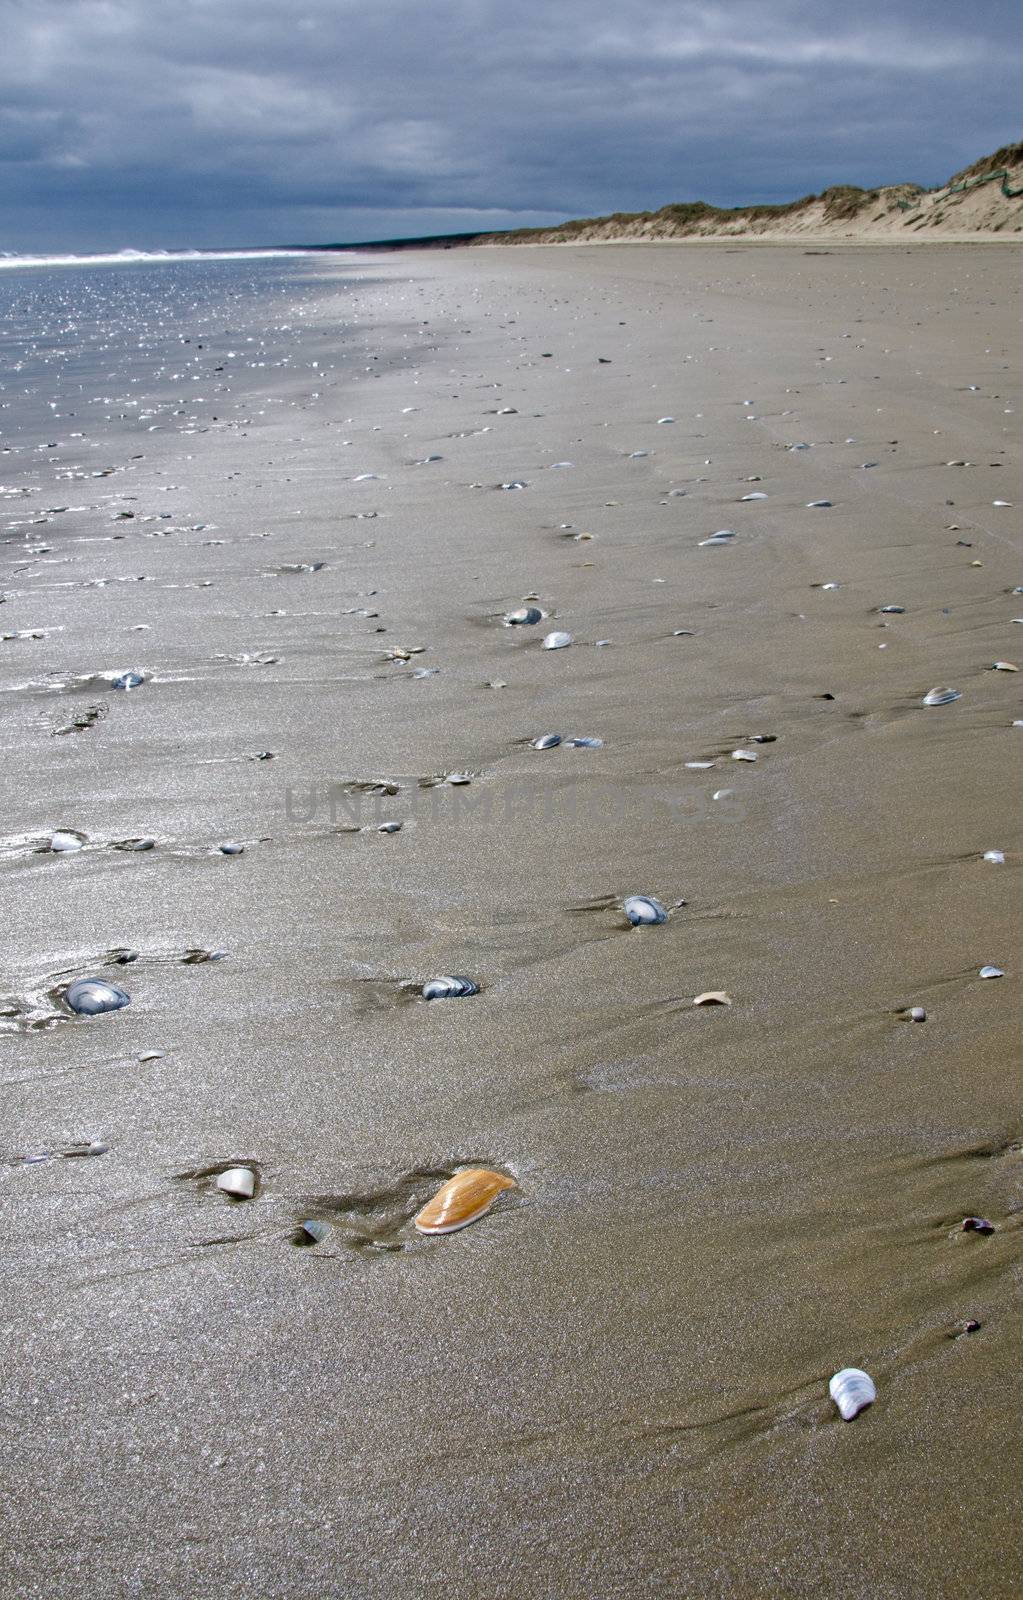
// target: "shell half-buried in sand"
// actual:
[[465, 1198]]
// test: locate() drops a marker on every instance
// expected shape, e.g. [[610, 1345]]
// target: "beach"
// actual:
[[615, 1383]]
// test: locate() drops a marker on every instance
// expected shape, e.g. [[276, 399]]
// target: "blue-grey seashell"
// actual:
[[942, 697], [892, 611], [723, 536], [557, 641], [90, 996], [231, 849], [389, 827], [546, 741], [128, 680], [449, 988], [991, 972], [643, 910], [586, 742], [312, 1231], [525, 616]]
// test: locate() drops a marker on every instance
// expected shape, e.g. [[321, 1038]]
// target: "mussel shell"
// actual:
[[524, 617], [89, 996], [942, 697], [312, 1231], [128, 680], [643, 910], [465, 1198], [546, 741], [231, 849], [557, 641], [852, 1390], [453, 988]]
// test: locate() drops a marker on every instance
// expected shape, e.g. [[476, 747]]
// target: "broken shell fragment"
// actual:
[[455, 988], [942, 697], [465, 1198], [744, 755], [311, 1231], [643, 910], [557, 641], [238, 1182], [713, 997], [90, 996], [852, 1390]]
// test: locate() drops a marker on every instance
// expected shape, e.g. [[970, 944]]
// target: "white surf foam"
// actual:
[[120, 258]]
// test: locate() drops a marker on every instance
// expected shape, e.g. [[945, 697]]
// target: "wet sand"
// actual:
[[615, 1384]]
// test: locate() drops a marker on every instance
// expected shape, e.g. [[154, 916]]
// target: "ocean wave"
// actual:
[[120, 258]]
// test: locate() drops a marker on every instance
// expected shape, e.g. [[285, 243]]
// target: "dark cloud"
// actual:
[[242, 121]]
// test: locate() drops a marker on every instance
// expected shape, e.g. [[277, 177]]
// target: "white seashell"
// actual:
[[756, 495], [891, 611], [64, 843], [917, 1014], [585, 741], [991, 972], [815, 505], [662, 420], [557, 641], [942, 697], [1003, 666], [713, 997], [1001, 502], [546, 741], [458, 778], [699, 766], [722, 536], [722, 794], [239, 1182], [643, 910], [744, 755], [852, 1390], [997, 856]]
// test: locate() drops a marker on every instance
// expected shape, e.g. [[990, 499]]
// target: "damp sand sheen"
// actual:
[[511, 815]]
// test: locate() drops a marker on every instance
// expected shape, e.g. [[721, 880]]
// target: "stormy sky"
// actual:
[[156, 123]]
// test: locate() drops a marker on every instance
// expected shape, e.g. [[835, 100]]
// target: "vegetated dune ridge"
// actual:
[[983, 200]]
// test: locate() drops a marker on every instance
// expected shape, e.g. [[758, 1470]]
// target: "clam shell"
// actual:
[[546, 741], [917, 1014], [557, 641], [852, 1390], [231, 849], [239, 1182], [585, 741], [90, 996], [525, 616], [465, 1198], [891, 611], [454, 988], [942, 697], [713, 997], [312, 1231], [722, 536], [128, 680], [756, 495], [818, 505], [1003, 666], [643, 910], [991, 972], [63, 842], [997, 856], [744, 755]]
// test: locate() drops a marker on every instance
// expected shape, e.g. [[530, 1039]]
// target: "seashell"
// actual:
[[128, 680], [238, 1182], [991, 972], [585, 741], [449, 988], [997, 856], [891, 611], [1001, 502], [917, 1014], [389, 827], [465, 1198], [744, 755], [1003, 666], [976, 1225], [643, 910], [700, 766], [942, 697], [312, 1231], [852, 1390], [64, 842], [458, 779], [815, 505], [546, 741], [560, 465], [231, 849], [662, 420], [89, 996], [721, 537], [524, 617], [713, 997], [722, 794], [513, 483], [557, 641], [756, 495]]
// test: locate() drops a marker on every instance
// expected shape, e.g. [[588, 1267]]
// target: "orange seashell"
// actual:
[[465, 1198]]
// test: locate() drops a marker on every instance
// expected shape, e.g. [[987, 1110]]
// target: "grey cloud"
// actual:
[[238, 121]]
